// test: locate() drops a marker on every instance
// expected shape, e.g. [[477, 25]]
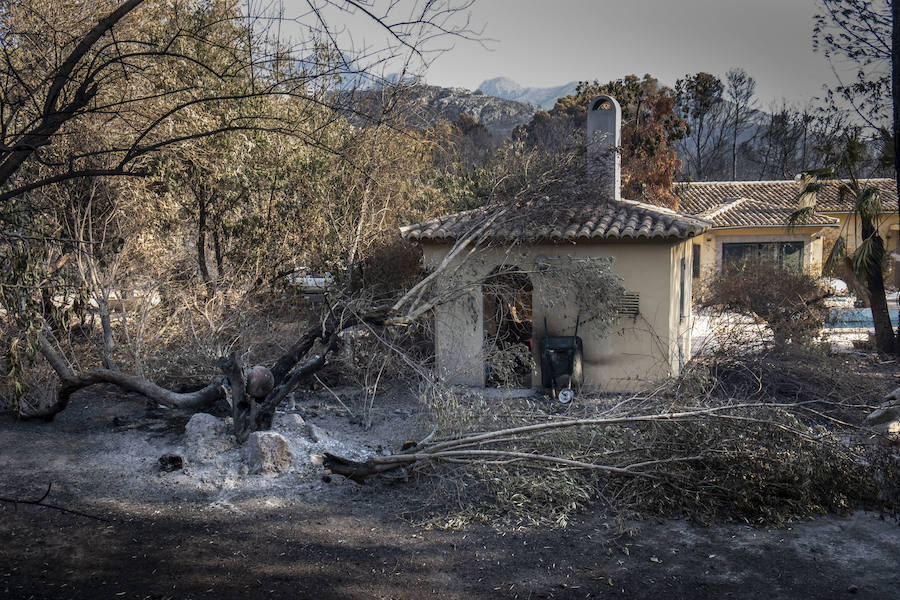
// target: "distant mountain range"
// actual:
[[423, 105], [500, 104], [504, 87]]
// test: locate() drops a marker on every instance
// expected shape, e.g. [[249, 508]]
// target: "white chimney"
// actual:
[[604, 128]]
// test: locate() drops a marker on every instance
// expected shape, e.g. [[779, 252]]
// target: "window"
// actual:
[[695, 266], [683, 296], [784, 254]]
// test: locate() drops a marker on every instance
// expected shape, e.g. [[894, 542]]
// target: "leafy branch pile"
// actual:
[[700, 449]]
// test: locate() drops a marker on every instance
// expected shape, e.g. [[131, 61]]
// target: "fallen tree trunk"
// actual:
[[71, 383], [68, 386]]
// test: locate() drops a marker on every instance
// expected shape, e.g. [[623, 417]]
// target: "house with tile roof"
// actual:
[[649, 248], [749, 219]]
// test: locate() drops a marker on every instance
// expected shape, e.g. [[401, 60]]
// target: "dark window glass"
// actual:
[[790, 255], [785, 254], [695, 267]]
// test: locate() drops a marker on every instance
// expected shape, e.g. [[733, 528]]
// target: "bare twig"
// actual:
[[40, 502]]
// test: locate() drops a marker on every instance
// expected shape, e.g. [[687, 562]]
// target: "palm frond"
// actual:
[[868, 255], [809, 188], [868, 203], [836, 256], [846, 193]]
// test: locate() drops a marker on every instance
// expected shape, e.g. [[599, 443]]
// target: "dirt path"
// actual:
[[202, 535]]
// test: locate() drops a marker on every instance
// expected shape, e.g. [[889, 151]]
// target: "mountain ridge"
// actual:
[[424, 104], [508, 89]]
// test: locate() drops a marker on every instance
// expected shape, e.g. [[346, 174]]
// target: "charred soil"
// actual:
[[211, 530]]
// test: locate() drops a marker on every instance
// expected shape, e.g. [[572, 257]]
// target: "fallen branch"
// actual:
[[40, 502], [467, 448], [374, 465], [250, 415], [68, 386], [71, 383]]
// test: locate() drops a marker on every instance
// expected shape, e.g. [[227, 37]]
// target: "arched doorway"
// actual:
[[508, 346]]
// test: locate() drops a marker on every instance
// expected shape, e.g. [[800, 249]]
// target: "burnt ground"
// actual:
[[213, 531]]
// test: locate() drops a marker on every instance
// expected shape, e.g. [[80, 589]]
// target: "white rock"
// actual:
[[891, 429], [835, 286], [206, 436], [268, 452]]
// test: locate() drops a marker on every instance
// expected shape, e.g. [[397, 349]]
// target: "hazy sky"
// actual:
[[551, 42], [544, 43]]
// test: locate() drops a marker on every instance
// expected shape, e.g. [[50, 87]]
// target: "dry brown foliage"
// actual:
[[791, 303]]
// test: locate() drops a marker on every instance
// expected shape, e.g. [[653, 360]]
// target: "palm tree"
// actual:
[[867, 260]]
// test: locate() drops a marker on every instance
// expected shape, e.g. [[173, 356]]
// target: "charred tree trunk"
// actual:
[[884, 332], [70, 383], [331, 326], [199, 399], [250, 414], [296, 352], [243, 406], [256, 414], [895, 96]]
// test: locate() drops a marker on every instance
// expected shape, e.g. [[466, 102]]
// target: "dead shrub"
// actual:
[[791, 303], [783, 374], [28, 387], [377, 360]]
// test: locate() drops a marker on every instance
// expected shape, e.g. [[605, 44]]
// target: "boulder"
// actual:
[[206, 436], [268, 452]]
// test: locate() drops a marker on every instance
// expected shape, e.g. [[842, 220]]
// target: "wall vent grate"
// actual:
[[629, 305]]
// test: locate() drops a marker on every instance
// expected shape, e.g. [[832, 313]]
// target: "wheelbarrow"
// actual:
[[561, 364]]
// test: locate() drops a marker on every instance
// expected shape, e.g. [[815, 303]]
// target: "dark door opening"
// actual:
[[508, 328]]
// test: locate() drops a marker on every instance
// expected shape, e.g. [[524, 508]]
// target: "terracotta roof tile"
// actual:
[[744, 212], [552, 219], [700, 197]]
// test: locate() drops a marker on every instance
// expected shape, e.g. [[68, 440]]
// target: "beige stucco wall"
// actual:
[[634, 353], [711, 244], [849, 229]]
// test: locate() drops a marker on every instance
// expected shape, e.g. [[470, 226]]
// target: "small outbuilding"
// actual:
[[647, 247]]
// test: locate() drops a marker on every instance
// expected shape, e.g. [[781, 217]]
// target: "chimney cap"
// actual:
[[598, 102]]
